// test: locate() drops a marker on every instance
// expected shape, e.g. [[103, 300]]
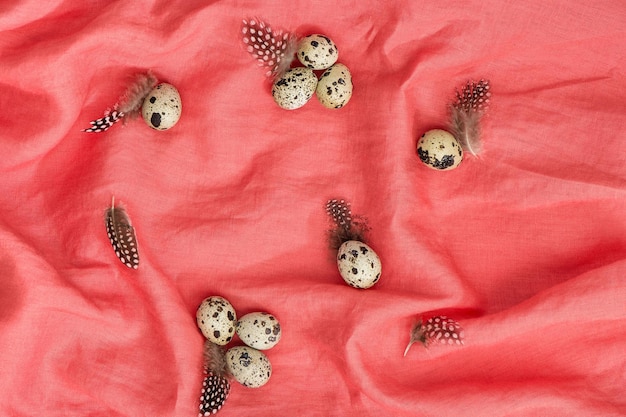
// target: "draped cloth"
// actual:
[[524, 245]]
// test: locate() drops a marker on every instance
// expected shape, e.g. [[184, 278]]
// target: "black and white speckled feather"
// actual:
[[129, 105], [436, 330], [122, 235], [216, 384], [466, 112], [273, 50], [346, 225], [104, 123]]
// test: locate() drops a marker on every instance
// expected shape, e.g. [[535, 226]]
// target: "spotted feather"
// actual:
[[273, 50], [346, 225], [122, 236], [436, 330], [216, 384], [104, 123], [466, 112]]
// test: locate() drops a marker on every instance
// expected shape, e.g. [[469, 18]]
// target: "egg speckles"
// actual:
[[358, 264], [162, 107], [250, 367], [294, 89], [217, 320], [439, 150], [334, 88], [317, 52], [259, 330]]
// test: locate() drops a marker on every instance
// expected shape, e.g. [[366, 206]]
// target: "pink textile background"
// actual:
[[525, 246]]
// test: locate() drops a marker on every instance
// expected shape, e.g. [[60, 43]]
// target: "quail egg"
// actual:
[[439, 150], [162, 107], [317, 52], [217, 320], [259, 330], [295, 88], [250, 367], [358, 264], [334, 88]]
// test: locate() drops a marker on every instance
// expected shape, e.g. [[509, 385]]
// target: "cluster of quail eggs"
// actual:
[[297, 85], [259, 331]]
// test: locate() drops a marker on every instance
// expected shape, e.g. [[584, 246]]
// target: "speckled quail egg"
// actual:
[[162, 107], [334, 88], [439, 150], [250, 367], [294, 89], [358, 264], [217, 320], [317, 52], [259, 330]]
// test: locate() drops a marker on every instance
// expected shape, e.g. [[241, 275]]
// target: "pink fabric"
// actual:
[[526, 247]]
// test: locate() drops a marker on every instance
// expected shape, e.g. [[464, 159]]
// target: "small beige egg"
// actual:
[[334, 88], [317, 52], [439, 150], [294, 89], [259, 330], [162, 107], [358, 264], [217, 320], [250, 367]]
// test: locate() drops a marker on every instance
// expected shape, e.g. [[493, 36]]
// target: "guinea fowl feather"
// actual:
[[436, 330], [466, 112], [122, 235], [216, 384], [347, 226], [273, 50], [129, 105], [134, 96]]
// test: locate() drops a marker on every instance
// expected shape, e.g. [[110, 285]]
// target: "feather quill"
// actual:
[[465, 114], [216, 384], [436, 330], [274, 50], [122, 235], [129, 105], [346, 225]]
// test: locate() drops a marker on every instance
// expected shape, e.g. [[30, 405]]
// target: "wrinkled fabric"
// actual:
[[525, 245]]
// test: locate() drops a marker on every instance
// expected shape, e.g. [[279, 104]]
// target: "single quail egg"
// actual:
[[259, 330], [217, 320], [317, 52], [358, 264], [334, 88], [295, 88], [162, 107], [439, 150], [250, 367]]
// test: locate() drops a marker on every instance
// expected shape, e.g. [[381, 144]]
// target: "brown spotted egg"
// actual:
[[317, 52], [162, 107], [294, 89], [250, 367], [259, 330], [439, 150], [358, 264], [334, 88], [217, 320]]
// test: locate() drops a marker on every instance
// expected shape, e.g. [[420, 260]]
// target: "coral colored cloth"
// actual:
[[525, 247]]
